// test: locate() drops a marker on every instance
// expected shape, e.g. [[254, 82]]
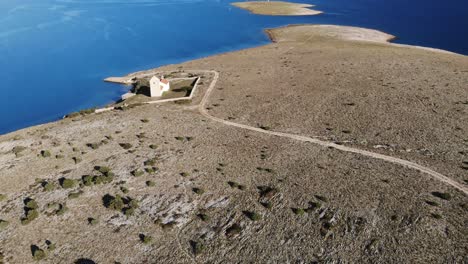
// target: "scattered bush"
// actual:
[[432, 203], [45, 153], [74, 195], [145, 120], [126, 205], [124, 189], [67, 183], [236, 185], [203, 217], [50, 246], [62, 209], [150, 183], [2, 197], [298, 211], [265, 169], [3, 224], [48, 186], [92, 221], [37, 253], [233, 230], [267, 191], [197, 247], [184, 174], [267, 205], [436, 216], [77, 160], [145, 239], [198, 191], [150, 162], [321, 198], [252, 215], [137, 173], [59, 156], [30, 210], [93, 145], [87, 180], [126, 145], [441, 195], [152, 146]]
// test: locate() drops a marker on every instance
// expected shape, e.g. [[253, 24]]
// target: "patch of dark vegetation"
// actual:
[[236, 185], [198, 191], [30, 211], [298, 211], [126, 205], [74, 195], [50, 246], [2, 197], [150, 162], [61, 210], [151, 170], [92, 221], [77, 160], [37, 253], [263, 127], [184, 174], [441, 195], [252, 215], [48, 186], [126, 145], [45, 153], [152, 146], [436, 216], [321, 198], [233, 230], [67, 183], [265, 169], [81, 113], [150, 183], [267, 205], [204, 217], [197, 247], [144, 120], [267, 191], [3, 224], [94, 145], [432, 203], [312, 207], [145, 239], [137, 173], [184, 139], [124, 189], [84, 261]]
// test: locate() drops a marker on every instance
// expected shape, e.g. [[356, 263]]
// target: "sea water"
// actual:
[[54, 54]]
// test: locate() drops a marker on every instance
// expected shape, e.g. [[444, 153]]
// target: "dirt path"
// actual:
[[405, 163]]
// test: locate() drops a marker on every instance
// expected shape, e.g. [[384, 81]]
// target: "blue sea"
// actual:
[[55, 53]]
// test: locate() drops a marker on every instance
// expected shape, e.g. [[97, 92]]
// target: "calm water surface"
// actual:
[[55, 53]]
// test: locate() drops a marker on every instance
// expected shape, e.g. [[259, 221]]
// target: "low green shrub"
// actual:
[[3, 224], [137, 173], [198, 191], [197, 247], [252, 215], [3, 197], [126, 145], [92, 221], [233, 230], [298, 211], [150, 183], [74, 195], [67, 183], [48, 186], [62, 209], [77, 160], [45, 153], [37, 253], [441, 195], [145, 239]]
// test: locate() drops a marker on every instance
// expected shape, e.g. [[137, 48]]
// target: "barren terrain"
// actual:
[[197, 189]]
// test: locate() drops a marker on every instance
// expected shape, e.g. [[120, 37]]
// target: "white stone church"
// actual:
[[158, 86]]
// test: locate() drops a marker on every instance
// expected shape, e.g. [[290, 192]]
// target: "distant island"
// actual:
[[277, 8]]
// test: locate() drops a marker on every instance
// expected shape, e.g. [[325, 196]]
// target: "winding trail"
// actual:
[[435, 175]]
